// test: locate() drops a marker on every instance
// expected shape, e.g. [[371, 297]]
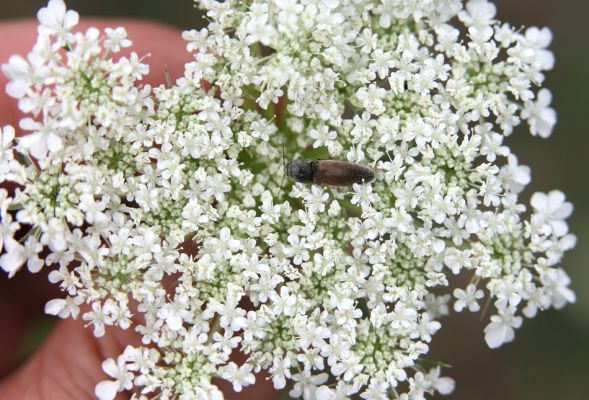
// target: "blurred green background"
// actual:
[[550, 358]]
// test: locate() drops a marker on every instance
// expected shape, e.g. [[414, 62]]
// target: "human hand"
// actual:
[[68, 364]]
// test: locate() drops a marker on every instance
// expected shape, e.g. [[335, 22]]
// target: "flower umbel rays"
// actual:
[[335, 292]]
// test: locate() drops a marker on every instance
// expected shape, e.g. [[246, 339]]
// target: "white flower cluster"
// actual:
[[173, 197]]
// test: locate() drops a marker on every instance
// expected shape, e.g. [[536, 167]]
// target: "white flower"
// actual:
[[64, 308], [556, 282], [442, 385], [363, 195], [92, 209], [456, 260], [9, 167], [552, 209], [468, 298], [55, 20], [231, 316], [217, 186], [55, 235], [325, 393], [517, 176], [107, 390], [377, 389], [259, 29], [8, 227], [14, 258], [323, 136], [479, 13], [239, 376], [280, 371], [116, 39], [99, 318], [307, 385], [21, 75], [501, 328], [316, 199], [6, 137], [539, 40], [133, 67], [173, 314], [283, 303], [297, 249], [372, 98], [539, 115], [41, 141]]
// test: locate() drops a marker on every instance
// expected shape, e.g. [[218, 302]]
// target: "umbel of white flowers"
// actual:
[[335, 292]]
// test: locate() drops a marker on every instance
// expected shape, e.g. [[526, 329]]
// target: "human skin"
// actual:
[[68, 363]]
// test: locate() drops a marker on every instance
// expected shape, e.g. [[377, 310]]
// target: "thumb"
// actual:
[[68, 364]]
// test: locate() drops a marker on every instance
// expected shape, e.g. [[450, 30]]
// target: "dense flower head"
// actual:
[[173, 197]]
